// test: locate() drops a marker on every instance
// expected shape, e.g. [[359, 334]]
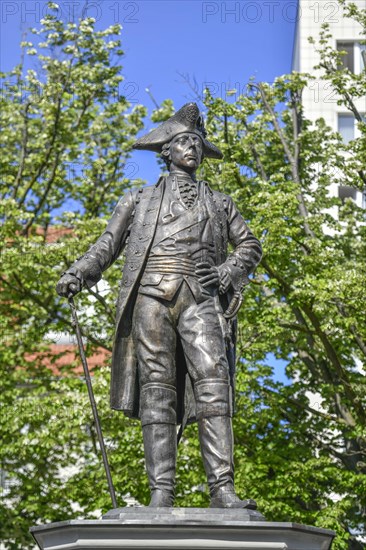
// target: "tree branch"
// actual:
[[23, 151], [305, 407], [256, 155], [102, 300], [41, 202], [342, 310], [44, 164], [329, 350], [291, 158]]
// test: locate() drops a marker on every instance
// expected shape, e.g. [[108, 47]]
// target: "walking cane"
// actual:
[[76, 325]]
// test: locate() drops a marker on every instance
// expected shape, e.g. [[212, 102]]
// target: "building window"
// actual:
[[348, 59], [346, 127], [363, 57], [346, 192], [353, 56]]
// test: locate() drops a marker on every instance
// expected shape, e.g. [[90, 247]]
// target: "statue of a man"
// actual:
[[174, 349]]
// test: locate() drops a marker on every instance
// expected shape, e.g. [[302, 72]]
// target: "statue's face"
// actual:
[[186, 152]]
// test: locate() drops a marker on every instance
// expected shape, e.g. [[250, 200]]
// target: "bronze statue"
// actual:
[[174, 349]]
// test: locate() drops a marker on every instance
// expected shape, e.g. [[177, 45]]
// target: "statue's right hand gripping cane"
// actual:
[[69, 285]]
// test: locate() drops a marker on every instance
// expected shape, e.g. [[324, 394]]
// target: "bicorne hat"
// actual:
[[187, 119]]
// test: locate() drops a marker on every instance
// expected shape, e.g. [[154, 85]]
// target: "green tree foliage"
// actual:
[[65, 142], [300, 447]]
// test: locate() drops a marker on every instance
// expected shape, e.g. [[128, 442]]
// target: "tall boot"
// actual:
[[160, 459], [158, 418], [217, 443]]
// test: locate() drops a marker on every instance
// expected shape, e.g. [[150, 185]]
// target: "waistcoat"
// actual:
[[183, 238], [183, 232]]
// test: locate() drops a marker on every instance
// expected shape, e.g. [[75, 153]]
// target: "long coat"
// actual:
[[133, 223]]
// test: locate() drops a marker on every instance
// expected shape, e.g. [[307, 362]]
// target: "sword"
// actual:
[[76, 325], [234, 305]]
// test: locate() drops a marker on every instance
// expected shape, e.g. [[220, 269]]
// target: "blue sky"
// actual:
[[216, 44]]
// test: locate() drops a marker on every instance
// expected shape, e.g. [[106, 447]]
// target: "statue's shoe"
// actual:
[[225, 497], [161, 499]]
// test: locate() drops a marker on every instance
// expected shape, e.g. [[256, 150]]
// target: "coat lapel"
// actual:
[[141, 236], [219, 222]]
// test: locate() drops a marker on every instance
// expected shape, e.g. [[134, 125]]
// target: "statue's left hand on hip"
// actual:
[[209, 275]]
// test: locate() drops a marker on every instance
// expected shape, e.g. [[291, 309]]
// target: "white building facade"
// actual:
[[319, 98]]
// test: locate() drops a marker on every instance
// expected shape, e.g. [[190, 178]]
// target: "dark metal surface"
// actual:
[[174, 350]]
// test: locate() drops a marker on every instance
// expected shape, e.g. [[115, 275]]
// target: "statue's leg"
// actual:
[[203, 343], [155, 342], [158, 418], [217, 443]]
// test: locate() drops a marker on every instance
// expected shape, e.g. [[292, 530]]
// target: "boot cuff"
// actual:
[[213, 398], [158, 404]]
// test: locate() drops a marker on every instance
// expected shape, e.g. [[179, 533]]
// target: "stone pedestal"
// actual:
[[180, 528]]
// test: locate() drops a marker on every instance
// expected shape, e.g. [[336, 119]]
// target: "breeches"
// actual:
[[157, 325]]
